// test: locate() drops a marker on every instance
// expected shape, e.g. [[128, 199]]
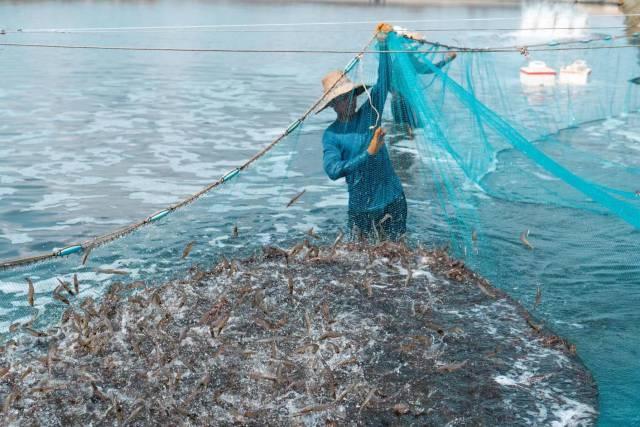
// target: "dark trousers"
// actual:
[[387, 223]]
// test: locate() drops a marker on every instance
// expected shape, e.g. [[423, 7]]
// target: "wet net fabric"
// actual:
[[533, 184], [484, 132]]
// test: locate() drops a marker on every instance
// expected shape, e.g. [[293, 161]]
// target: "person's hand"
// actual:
[[377, 141], [451, 56], [382, 30]]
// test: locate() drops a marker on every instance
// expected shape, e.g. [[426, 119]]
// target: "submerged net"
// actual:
[[530, 178]]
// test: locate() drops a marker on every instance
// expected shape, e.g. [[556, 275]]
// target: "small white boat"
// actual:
[[537, 73], [576, 73]]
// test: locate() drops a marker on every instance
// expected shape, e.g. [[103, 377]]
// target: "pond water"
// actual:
[[91, 140]]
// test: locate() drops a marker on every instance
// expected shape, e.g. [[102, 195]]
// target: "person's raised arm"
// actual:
[[335, 167], [423, 68], [383, 85]]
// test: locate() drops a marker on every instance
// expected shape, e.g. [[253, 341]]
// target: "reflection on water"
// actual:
[[632, 24], [552, 20]]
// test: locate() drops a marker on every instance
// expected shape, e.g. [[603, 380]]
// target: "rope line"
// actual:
[[299, 24], [548, 46], [100, 240], [176, 49], [539, 47], [218, 30]]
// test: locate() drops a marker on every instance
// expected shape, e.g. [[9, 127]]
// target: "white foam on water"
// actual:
[[92, 220], [4, 191], [263, 238], [138, 170], [263, 134], [46, 286], [402, 149], [88, 180], [476, 189], [573, 413], [573, 325], [336, 200], [426, 273], [520, 380], [57, 200], [224, 241], [281, 227], [159, 184], [15, 236], [303, 227], [47, 228], [4, 325], [612, 124], [152, 198], [632, 136], [6, 179], [223, 208]]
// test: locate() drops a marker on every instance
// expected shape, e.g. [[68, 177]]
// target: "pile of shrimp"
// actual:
[[348, 333]]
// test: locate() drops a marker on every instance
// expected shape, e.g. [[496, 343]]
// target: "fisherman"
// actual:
[[354, 149]]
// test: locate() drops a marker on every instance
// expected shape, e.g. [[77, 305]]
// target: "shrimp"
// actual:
[[523, 239], [295, 198], [187, 249], [30, 295]]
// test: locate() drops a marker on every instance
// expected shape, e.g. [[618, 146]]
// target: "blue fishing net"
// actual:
[[534, 183]]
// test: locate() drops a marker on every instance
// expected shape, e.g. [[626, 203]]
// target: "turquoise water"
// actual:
[[93, 140]]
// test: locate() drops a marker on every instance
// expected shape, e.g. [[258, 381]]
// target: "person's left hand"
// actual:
[[377, 141], [382, 30], [451, 56]]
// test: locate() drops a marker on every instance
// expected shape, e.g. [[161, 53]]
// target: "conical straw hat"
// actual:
[[336, 84]]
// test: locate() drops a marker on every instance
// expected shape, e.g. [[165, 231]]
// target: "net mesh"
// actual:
[[530, 178]]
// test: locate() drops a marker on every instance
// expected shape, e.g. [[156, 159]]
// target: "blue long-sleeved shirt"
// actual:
[[371, 180]]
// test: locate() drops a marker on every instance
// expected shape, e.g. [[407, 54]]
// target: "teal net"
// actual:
[[529, 176], [535, 180]]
